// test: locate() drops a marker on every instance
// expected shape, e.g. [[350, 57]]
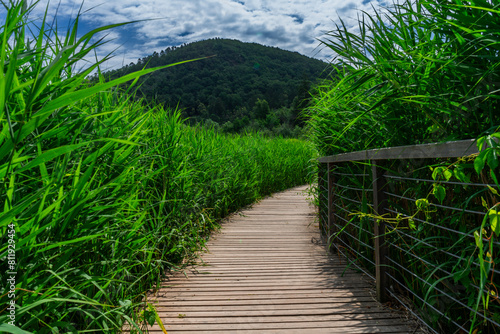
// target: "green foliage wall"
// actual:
[[420, 71], [417, 72], [100, 195]]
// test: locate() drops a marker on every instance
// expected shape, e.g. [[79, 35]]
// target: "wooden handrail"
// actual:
[[453, 149]]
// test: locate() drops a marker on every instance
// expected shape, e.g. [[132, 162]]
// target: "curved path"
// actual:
[[266, 272]]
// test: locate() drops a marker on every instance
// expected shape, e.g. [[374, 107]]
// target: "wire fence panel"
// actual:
[[423, 237]]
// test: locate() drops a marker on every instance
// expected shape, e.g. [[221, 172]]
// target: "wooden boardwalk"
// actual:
[[266, 272]]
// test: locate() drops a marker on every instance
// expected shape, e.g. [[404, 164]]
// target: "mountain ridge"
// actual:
[[232, 82]]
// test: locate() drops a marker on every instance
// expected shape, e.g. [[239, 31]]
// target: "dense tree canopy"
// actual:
[[232, 83]]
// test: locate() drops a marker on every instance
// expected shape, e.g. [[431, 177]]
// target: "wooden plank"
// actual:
[[284, 275], [385, 325], [353, 330], [272, 259], [336, 304], [252, 288], [319, 276], [270, 297], [312, 283], [370, 306], [268, 267], [217, 302], [264, 317], [332, 314], [454, 149], [266, 271]]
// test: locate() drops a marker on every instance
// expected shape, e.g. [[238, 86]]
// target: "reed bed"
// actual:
[[106, 194], [417, 72]]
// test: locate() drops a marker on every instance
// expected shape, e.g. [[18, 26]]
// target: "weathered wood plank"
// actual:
[[325, 312], [313, 306], [353, 330], [265, 317], [288, 323], [216, 302], [453, 149], [245, 278]]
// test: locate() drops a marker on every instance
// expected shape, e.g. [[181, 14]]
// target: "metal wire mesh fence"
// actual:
[[415, 234]]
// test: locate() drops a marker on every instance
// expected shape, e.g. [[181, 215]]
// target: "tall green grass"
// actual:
[[107, 195], [423, 71], [428, 69]]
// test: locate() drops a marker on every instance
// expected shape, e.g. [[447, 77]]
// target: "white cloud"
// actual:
[[288, 24]]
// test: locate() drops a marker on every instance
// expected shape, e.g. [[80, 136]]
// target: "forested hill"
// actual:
[[234, 85]]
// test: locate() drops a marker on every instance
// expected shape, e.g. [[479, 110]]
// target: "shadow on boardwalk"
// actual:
[[266, 273]]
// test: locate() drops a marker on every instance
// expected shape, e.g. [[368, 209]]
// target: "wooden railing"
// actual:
[[344, 183]]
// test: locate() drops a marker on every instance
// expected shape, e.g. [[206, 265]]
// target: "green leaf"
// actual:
[[477, 237], [437, 171], [480, 143], [461, 176], [494, 216], [150, 317], [493, 190], [439, 192], [483, 203], [494, 177], [479, 162], [125, 303], [67, 242], [492, 158], [443, 172], [74, 96], [6, 328], [459, 37], [49, 155], [422, 203], [411, 224]]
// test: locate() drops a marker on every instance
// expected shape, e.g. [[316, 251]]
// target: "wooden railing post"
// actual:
[[331, 181], [379, 205], [321, 183]]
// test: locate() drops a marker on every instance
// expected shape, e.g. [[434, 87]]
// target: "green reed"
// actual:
[[416, 72], [105, 194], [425, 68]]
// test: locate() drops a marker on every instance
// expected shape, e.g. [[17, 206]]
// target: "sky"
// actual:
[[294, 25]]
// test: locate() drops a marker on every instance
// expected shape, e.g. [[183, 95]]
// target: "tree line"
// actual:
[[237, 87]]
